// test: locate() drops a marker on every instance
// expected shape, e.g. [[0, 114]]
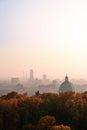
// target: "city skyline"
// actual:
[[48, 36]]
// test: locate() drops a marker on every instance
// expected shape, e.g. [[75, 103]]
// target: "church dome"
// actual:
[[66, 86]]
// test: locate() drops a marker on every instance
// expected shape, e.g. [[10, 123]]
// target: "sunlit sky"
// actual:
[[48, 36]]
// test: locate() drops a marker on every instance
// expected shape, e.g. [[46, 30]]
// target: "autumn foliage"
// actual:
[[46, 122], [60, 127], [48, 111]]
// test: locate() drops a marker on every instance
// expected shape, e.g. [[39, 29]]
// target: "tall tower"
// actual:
[[31, 74], [44, 77]]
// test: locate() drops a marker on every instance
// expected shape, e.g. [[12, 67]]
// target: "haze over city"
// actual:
[[48, 36]]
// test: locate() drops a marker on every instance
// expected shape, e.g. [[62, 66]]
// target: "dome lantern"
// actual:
[[66, 78]]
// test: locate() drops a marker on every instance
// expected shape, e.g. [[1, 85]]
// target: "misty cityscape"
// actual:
[[30, 85], [43, 64]]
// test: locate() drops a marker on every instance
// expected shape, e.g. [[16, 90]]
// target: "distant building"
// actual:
[[19, 88], [15, 80], [54, 82], [66, 86], [44, 77], [31, 75], [45, 81]]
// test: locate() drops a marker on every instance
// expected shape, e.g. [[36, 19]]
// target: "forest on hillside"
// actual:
[[47, 111]]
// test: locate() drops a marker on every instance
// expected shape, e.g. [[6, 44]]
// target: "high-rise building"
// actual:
[[44, 77], [45, 81], [31, 74]]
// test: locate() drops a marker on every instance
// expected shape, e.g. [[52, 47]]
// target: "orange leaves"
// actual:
[[44, 112], [46, 122], [60, 127]]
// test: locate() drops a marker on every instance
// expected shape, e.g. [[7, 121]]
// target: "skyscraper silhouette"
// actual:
[[31, 74]]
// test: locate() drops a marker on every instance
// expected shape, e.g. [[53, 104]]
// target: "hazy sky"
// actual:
[[49, 36]]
